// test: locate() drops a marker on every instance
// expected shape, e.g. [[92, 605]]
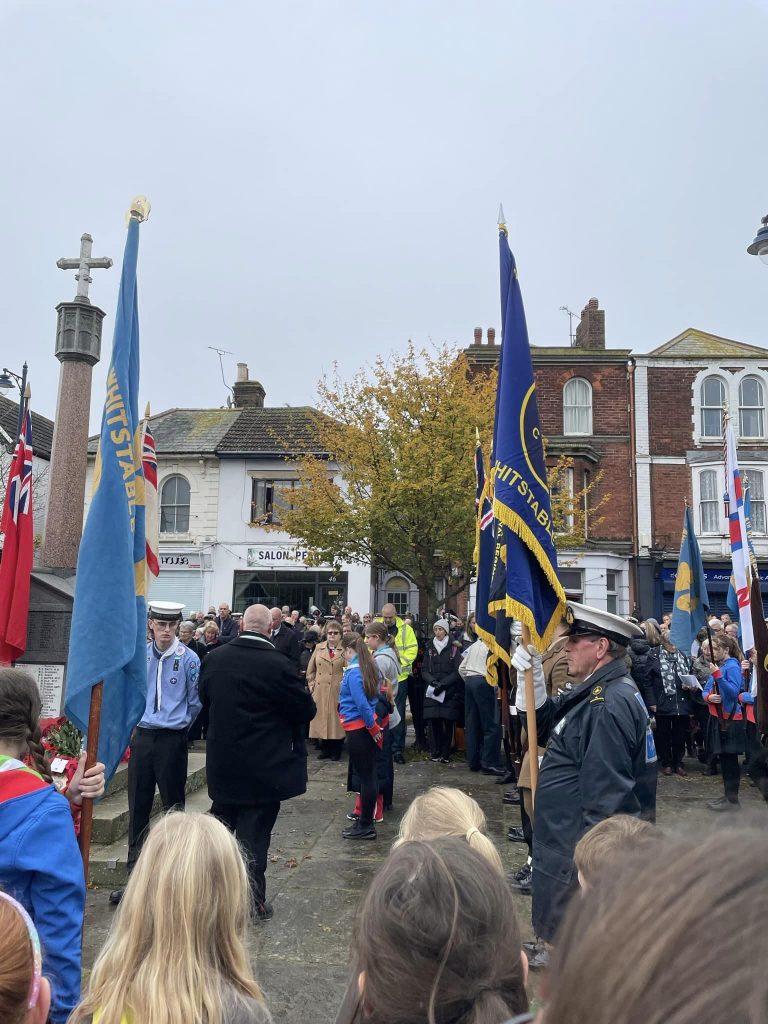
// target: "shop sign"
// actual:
[[276, 554], [181, 560], [711, 575]]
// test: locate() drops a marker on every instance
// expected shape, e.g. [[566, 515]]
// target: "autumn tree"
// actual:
[[402, 434]]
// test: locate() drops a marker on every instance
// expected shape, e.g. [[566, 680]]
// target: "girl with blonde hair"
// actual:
[[176, 950], [443, 812]]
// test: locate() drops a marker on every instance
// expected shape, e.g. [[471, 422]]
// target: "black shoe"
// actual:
[[532, 947], [521, 880], [358, 831], [512, 797], [724, 805], [435, 760], [516, 835], [494, 771], [263, 911], [474, 769], [398, 759], [116, 895], [509, 777], [445, 760], [353, 817]]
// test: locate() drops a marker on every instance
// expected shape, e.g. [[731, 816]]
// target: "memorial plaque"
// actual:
[[50, 683]]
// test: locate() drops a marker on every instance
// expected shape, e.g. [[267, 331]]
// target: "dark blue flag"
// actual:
[[691, 601], [521, 501], [111, 563]]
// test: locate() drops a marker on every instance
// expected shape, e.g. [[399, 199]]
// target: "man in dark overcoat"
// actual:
[[255, 755], [600, 758]]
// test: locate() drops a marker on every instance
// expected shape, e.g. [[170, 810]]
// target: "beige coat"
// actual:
[[324, 682]]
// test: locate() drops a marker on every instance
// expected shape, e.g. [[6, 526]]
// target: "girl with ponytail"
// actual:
[[442, 812], [358, 698], [40, 863]]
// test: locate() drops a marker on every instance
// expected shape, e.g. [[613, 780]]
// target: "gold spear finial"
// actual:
[[502, 220], [138, 210]]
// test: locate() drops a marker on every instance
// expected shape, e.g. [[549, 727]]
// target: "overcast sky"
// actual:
[[325, 177]]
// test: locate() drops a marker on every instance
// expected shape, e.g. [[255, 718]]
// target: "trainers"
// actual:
[[398, 759], [512, 797], [358, 831], [435, 760], [116, 895], [724, 805], [521, 880], [539, 960], [516, 835], [263, 911], [445, 760], [353, 817]]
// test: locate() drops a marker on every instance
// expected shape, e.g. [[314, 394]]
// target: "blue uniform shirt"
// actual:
[[179, 702]]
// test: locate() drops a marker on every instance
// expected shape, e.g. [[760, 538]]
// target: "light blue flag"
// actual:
[[109, 587], [691, 601]]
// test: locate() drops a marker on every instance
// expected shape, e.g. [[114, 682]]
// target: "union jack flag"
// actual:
[[18, 544], [149, 465]]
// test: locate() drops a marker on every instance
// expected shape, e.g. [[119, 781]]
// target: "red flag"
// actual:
[[151, 529], [16, 564]]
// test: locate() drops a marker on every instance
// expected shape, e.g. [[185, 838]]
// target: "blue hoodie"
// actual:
[[40, 866], [356, 711]]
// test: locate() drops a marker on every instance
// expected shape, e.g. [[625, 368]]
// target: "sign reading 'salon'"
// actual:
[[276, 555]]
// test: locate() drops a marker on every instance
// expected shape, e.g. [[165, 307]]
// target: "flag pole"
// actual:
[[530, 721], [92, 750]]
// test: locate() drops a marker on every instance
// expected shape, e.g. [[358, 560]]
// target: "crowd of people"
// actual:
[[436, 937]]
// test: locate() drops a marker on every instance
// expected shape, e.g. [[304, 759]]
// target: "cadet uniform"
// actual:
[[600, 761], [159, 746]]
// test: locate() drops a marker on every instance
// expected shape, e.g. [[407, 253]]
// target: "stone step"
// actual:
[[108, 861], [110, 815]]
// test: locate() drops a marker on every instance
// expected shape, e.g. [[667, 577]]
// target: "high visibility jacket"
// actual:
[[407, 647]]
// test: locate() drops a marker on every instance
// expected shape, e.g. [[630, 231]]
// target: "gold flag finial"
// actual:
[[147, 413], [502, 220], [139, 209]]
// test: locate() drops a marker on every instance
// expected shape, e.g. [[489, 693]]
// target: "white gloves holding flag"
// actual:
[[523, 659]]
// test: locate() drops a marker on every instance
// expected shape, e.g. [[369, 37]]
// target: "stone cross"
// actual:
[[83, 264]]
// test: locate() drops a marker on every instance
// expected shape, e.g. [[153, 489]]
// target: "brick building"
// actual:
[[680, 390], [584, 399]]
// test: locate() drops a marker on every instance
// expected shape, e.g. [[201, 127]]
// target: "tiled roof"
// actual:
[[42, 427], [696, 344], [278, 431], [187, 431]]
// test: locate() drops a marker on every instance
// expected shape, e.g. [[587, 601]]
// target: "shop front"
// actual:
[[180, 579], [277, 575], [717, 576]]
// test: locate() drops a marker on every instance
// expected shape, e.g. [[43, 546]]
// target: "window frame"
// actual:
[[165, 506], [572, 593], [758, 501], [759, 409], [716, 501], [269, 486], [612, 592], [571, 385], [704, 408]]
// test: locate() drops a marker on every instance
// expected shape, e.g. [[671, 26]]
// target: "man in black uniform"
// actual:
[[600, 759]]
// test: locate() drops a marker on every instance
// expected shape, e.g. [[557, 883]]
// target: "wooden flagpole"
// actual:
[[92, 750], [530, 722]]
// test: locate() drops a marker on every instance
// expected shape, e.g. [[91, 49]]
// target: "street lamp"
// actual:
[[760, 245], [9, 379]]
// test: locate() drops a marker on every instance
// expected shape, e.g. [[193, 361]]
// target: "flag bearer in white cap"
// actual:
[[159, 745], [600, 758]]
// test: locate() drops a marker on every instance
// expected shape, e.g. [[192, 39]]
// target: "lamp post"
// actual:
[[7, 379], [759, 246]]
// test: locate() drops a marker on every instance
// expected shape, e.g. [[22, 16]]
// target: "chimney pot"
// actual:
[[590, 332], [242, 371], [478, 336], [593, 304], [491, 335]]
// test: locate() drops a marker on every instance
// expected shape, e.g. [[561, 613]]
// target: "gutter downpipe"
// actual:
[[633, 476]]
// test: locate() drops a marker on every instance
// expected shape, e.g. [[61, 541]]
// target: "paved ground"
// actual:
[[315, 878]]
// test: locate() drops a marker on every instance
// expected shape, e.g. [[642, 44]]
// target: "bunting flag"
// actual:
[[111, 570], [18, 547], [691, 602], [151, 514], [737, 530], [521, 501]]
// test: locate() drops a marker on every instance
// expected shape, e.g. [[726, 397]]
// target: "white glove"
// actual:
[[522, 660]]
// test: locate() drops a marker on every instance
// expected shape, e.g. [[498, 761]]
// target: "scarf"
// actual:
[[159, 676], [440, 645]]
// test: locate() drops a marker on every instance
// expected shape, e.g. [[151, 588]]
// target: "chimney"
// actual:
[[491, 335], [478, 336], [590, 333], [248, 394]]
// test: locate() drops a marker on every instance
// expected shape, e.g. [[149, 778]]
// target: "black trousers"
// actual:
[[527, 824], [362, 754], [757, 760], [731, 775], [199, 728], [252, 824], [671, 731], [332, 748], [416, 689], [158, 759], [440, 737]]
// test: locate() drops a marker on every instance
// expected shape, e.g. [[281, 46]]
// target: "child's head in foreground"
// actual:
[[608, 841]]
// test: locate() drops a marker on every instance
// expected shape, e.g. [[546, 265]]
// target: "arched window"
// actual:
[[712, 402], [709, 502], [174, 505], [751, 405], [577, 407]]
